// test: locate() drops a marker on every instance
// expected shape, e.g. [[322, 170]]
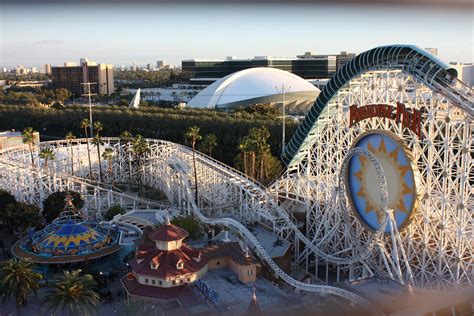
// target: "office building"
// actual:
[[72, 77], [306, 66], [465, 72], [343, 58], [160, 64], [47, 69]]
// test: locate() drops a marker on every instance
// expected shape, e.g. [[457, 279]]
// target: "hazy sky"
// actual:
[[121, 34]]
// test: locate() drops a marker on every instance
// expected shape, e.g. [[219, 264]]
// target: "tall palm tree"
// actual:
[[28, 137], [73, 294], [85, 124], [209, 142], [98, 141], [140, 147], [47, 154], [108, 155], [193, 135], [126, 137], [18, 280], [70, 137]]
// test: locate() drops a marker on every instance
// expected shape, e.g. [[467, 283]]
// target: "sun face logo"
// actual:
[[364, 189]]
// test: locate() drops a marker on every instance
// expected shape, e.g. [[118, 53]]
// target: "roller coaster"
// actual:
[[379, 178]]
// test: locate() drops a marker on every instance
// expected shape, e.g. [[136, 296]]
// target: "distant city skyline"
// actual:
[[52, 34]]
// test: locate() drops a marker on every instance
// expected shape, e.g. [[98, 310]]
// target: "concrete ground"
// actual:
[[234, 297]]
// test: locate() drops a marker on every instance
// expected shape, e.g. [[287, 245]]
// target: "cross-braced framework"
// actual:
[[225, 194], [433, 250]]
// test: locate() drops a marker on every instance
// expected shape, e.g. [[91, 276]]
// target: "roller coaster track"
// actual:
[[260, 250], [180, 157]]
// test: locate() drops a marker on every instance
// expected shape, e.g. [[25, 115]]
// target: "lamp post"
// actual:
[[282, 91]]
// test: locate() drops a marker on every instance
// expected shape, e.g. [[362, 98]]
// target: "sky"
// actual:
[[33, 35]]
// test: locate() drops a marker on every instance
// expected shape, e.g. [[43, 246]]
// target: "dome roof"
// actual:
[[253, 86], [70, 236]]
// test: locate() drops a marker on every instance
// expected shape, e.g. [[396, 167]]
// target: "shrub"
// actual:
[[5, 199], [190, 224], [114, 210]]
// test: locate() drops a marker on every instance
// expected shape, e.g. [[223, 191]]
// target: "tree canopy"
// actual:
[[55, 203]]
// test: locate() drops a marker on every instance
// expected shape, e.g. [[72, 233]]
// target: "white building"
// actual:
[[465, 72], [261, 85]]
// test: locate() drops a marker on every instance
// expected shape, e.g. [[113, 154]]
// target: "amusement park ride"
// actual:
[[380, 171]]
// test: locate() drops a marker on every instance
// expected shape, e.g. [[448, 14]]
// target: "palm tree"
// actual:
[[18, 280], [47, 154], [209, 142], [140, 147], [126, 137], [28, 136], [97, 141], [85, 124], [108, 155], [193, 135], [70, 137], [73, 294]]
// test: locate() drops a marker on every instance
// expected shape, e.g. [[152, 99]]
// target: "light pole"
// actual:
[[89, 94], [282, 91]]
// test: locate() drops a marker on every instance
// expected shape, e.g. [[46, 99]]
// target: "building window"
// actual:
[[146, 280], [160, 282], [153, 281], [180, 265]]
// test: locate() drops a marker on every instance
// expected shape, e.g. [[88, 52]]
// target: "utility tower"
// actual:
[[88, 94]]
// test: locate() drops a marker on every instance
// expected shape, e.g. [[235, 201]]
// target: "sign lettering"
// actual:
[[409, 118]]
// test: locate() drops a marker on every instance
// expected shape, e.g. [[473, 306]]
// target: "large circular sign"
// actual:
[[362, 180]]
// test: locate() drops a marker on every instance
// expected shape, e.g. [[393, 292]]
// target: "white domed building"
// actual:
[[261, 85]]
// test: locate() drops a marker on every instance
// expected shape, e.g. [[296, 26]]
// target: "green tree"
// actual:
[[112, 211], [140, 148], [192, 134], [108, 155], [70, 137], [55, 203], [19, 217], [262, 165], [190, 224], [85, 124], [18, 280], [126, 138], [97, 141], [28, 136], [47, 154], [208, 143], [73, 294], [5, 199]]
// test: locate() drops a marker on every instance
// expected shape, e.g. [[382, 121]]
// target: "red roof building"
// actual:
[[164, 266]]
